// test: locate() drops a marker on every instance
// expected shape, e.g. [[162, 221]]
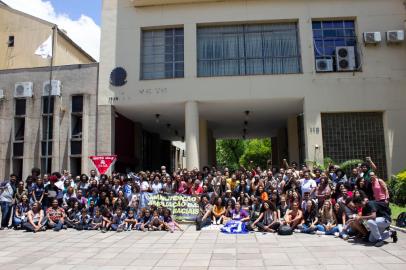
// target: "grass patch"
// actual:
[[396, 210]]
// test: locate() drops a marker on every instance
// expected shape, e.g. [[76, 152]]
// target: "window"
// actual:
[[47, 132], [77, 104], [249, 49], [45, 103], [327, 35], [10, 41], [162, 54], [20, 107], [76, 127]]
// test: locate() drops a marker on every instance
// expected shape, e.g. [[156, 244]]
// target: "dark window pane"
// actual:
[[18, 149], [316, 25], [77, 104], [45, 102], [76, 147], [44, 147], [45, 127], [20, 107], [317, 33]]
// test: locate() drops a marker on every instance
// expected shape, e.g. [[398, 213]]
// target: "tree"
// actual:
[[233, 153], [228, 152], [257, 150]]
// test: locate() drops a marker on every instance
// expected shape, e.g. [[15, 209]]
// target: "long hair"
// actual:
[[327, 215]]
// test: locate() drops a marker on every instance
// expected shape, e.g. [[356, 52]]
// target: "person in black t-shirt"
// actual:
[[376, 216]]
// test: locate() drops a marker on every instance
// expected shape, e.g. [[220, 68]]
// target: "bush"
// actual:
[[397, 188]]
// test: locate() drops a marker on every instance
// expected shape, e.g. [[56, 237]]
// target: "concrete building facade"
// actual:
[[23, 120], [202, 68]]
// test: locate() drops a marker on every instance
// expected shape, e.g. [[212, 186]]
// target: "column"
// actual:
[[293, 139], [313, 135], [192, 134], [203, 143]]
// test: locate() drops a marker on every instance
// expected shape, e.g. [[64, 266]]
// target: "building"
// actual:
[[21, 34], [24, 95], [297, 71], [23, 119]]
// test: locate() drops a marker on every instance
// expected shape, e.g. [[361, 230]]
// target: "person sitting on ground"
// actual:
[[237, 224], [310, 219], [203, 218], [21, 212], [145, 222], [83, 220], [327, 220], [107, 219], [294, 216], [157, 223], [377, 217], [130, 221], [118, 220], [56, 216], [268, 219], [218, 211], [169, 223], [97, 220], [36, 221]]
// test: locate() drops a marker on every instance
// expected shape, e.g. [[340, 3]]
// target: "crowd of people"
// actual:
[[287, 199]]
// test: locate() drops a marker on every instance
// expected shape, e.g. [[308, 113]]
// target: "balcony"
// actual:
[[145, 3]]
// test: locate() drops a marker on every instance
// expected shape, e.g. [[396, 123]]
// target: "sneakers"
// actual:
[[394, 236], [320, 233], [346, 237], [337, 234], [379, 243], [297, 230]]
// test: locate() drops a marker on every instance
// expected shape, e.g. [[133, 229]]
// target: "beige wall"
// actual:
[[75, 80], [29, 34], [379, 87]]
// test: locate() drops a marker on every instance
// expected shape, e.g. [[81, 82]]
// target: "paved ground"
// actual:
[[191, 250]]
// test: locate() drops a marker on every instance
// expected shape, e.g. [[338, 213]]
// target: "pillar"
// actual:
[[313, 135], [192, 134], [293, 139], [203, 143]]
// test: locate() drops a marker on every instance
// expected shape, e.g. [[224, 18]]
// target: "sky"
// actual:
[[80, 18]]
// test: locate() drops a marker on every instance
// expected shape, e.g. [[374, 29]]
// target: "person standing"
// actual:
[[6, 201]]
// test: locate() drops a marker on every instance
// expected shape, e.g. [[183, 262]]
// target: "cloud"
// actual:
[[84, 31]]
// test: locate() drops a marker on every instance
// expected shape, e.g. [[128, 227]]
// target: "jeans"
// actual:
[[115, 227], [18, 221], [200, 223], [57, 225], [307, 229], [30, 228], [377, 228], [328, 232], [5, 213]]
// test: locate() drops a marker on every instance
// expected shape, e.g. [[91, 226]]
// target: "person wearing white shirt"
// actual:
[[308, 185]]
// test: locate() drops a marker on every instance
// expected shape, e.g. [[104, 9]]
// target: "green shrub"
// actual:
[[397, 188]]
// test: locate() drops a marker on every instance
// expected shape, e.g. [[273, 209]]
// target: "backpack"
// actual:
[[401, 220], [285, 230]]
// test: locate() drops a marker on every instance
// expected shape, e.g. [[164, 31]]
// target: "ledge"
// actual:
[[145, 3]]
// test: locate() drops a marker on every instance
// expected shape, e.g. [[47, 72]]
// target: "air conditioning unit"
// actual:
[[2, 94], [23, 89], [395, 36], [372, 37], [345, 58], [324, 65], [56, 88]]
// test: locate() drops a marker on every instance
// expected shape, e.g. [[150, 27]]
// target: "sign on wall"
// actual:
[[103, 163]]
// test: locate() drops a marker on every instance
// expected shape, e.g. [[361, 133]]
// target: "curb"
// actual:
[[398, 228]]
